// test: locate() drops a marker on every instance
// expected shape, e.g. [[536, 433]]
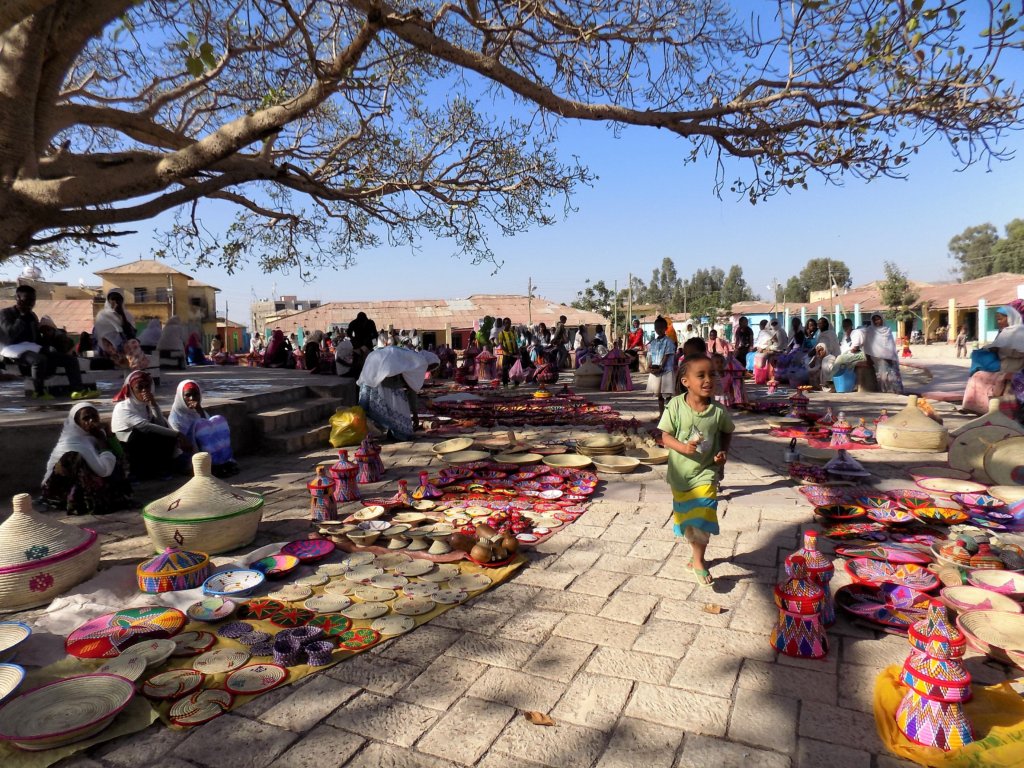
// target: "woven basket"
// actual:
[[911, 430], [172, 570], [588, 376], [64, 712], [207, 513], [41, 558], [619, 465], [993, 632]]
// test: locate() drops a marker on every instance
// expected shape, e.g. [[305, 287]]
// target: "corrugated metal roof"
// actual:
[[73, 315], [994, 289], [142, 267], [435, 314]]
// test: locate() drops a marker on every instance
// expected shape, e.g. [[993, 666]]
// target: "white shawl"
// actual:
[[385, 362], [131, 412], [183, 418], [880, 343], [74, 438], [109, 325]]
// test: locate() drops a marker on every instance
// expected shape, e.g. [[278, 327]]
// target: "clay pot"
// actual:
[[481, 553]]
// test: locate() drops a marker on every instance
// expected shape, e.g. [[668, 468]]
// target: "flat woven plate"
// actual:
[[359, 638], [107, 636], [967, 451], [332, 623], [365, 610], [221, 660], [470, 582], [355, 560], [211, 609], [950, 485], [414, 568], [569, 460], [387, 581], [340, 588], [450, 596], [443, 572], [291, 593], [420, 589], [363, 574], [309, 550], [173, 684], [1011, 494], [313, 580], [152, 652], [200, 707], [391, 560], [1004, 463], [328, 603], [393, 625], [372, 594], [128, 667], [413, 606], [518, 458], [970, 598], [193, 643], [255, 678]]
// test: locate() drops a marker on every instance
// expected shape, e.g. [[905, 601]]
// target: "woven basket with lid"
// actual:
[[172, 570], [911, 430], [208, 513], [40, 558]]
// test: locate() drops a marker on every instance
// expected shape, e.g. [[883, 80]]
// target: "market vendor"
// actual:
[[993, 366], [388, 387], [85, 474]]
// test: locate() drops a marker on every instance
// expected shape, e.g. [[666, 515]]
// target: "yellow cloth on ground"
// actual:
[[996, 712]]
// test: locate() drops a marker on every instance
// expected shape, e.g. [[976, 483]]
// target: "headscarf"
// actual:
[[879, 341], [129, 411], [392, 361], [109, 325], [183, 418], [1012, 336], [172, 338], [150, 336], [193, 341], [275, 344], [74, 438], [830, 340]]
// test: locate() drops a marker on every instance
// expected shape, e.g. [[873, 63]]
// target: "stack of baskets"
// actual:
[[42, 558], [206, 513]]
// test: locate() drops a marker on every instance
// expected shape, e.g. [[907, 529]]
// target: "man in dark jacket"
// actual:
[[19, 325]]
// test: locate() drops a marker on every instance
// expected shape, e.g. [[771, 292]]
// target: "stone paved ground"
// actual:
[[603, 630]]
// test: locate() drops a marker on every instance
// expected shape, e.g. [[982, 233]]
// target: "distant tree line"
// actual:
[[979, 251]]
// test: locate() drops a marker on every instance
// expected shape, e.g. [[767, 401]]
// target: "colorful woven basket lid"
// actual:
[[28, 539], [202, 498], [173, 569]]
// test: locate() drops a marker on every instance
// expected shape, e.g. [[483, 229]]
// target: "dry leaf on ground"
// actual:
[[537, 718]]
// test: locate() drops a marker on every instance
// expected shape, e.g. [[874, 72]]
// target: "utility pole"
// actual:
[[529, 301], [629, 303], [615, 310]]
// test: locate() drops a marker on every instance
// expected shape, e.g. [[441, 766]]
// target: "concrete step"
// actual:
[[304, 413], [276, 398], [296, 440]]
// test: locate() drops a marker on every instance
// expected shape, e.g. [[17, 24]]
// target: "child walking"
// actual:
[[661, 360], [697, 431]]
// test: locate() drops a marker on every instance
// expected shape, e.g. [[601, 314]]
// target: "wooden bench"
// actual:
[[173, 359], [57, 384]]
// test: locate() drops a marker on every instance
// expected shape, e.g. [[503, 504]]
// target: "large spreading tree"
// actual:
[[332, 125]]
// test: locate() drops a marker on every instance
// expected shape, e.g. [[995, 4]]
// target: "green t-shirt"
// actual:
[[679, 420]]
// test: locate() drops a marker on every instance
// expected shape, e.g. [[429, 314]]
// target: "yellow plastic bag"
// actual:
[[348, 426]]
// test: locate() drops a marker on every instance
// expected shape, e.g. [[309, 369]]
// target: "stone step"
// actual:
[[296, 440], [277, 398], [307, 413]]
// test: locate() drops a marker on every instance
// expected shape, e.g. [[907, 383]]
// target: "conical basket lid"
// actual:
[[27, 536], [173, 560], [204, 497]]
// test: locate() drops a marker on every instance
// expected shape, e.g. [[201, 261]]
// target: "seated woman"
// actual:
[[150, 443], [205, 432], [547, 366], [150, 336], [388, 387], [278, 354], [448, 359], [993, 366], [194, 351], [172, 338], [85, 473], [113, 326], [218, 354], [819, 367]]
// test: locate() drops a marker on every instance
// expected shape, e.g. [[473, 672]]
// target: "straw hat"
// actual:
[[205, 512], [40, 558]]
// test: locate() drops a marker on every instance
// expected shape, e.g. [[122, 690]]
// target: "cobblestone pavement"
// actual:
[[603, 630]]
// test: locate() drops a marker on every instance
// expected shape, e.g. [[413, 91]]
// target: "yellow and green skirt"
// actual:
[[695, 508]]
